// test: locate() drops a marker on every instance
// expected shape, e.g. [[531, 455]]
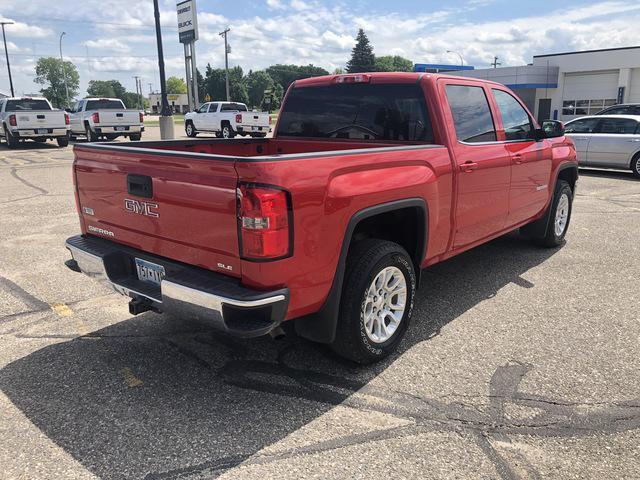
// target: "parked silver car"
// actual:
[[610, 141]]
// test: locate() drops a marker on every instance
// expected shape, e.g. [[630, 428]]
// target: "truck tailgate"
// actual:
[[179, 206], [119, 117], [43, 119], [255, 119]]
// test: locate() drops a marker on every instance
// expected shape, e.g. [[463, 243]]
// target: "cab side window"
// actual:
[[213, 108], [203, 108], [471, 114], [624, 126], [584, 125], [515, 119]]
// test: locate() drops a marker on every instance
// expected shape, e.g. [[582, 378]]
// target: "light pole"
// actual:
[[64, 74], [138, 91], [457, 53], [226, 60], [166, 115], [6, 52]]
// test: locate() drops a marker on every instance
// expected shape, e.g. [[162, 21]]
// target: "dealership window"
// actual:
[[586, 107], [471, 114]]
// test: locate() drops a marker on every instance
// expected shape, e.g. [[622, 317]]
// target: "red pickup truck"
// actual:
[[368, 179]]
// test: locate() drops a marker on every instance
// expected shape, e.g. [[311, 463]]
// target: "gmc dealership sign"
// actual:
[[187, 21]]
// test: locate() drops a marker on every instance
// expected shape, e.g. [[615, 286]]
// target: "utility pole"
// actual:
[[64, 74], [139, 92], [166, 115], [6, 52], [226, 60], [150, 89], [495, 62]]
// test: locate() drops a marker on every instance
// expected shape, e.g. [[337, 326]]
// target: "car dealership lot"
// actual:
[[520, 362]]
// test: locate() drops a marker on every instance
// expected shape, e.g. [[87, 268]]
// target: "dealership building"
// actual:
[[179, 102], [563, 86]]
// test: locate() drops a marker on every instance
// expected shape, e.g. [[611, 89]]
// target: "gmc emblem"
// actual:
[[141, 208]]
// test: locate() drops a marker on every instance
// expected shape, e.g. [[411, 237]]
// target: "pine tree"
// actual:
[[362, 57]]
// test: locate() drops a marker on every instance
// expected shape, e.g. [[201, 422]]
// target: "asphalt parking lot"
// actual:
[[520, 363]]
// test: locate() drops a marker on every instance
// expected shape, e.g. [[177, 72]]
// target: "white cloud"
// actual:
[[120, 36]]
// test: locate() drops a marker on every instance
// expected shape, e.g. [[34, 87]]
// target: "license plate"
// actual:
[[120, 129], [149, 272], [43, 130]]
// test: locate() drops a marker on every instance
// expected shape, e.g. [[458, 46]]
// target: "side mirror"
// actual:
[[552, 129]]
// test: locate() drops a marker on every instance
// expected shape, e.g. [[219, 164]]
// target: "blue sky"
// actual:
[[115, 38]]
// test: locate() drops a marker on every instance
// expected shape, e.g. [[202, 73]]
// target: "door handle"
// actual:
[[468, 166], [517, 158], [581, 138]]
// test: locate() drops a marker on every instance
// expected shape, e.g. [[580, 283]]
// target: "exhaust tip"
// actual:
[[277, 333]]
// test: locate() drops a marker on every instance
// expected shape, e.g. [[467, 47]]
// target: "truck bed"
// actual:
[[258, 147]]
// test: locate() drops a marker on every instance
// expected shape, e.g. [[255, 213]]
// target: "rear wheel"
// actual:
[[91, 136], [12, 142], [635, 165], [559, 216], [377, 301], [227, 131], [135, 137], [190, 130], [62, 141]]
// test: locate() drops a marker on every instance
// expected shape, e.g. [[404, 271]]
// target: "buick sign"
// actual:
[[187, 21]]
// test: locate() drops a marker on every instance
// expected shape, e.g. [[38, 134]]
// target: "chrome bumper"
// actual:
[[186, 290], [32, 133]]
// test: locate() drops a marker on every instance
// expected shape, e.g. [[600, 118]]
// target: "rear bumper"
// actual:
[[128, 129], [32, 133], [185, 290], [252, 129]]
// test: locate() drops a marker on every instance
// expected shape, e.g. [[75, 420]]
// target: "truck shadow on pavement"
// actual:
[[157, 398]]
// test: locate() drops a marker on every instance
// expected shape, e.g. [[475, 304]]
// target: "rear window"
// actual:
[[104, 105], [24, 105], [357, 111], [233, 107], [471, 114]]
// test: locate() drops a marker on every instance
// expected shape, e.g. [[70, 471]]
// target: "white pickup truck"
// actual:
[[107, 118], [226, 120], [32, 118]]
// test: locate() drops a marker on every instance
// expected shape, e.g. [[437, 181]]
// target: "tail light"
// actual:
[[238, 118], [66, 119], [12, 120], [95, 117], [265, 224], [141, 117]]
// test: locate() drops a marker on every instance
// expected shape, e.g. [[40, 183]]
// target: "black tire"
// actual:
[[12, 142], [218, 134], [553, 237], [366, 260], [227, 131], [91, 135], [190, 129], [135, 137], [635, 165], [62, 141]]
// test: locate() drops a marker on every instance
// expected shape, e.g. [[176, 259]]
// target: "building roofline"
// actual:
[[586, 51]]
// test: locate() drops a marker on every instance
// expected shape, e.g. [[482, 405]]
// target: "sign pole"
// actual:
[[187, 35]]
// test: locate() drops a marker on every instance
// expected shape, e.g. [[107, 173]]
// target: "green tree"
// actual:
[[176, 85], [393, 63], [362, 57], [257, 83], [49, 72], [106, 88], [214, 83], [284, 75], [202, 86], [238, 85]]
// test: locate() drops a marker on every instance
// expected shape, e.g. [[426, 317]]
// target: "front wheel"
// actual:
[[559, 216], [190, 130], [377, 301]]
